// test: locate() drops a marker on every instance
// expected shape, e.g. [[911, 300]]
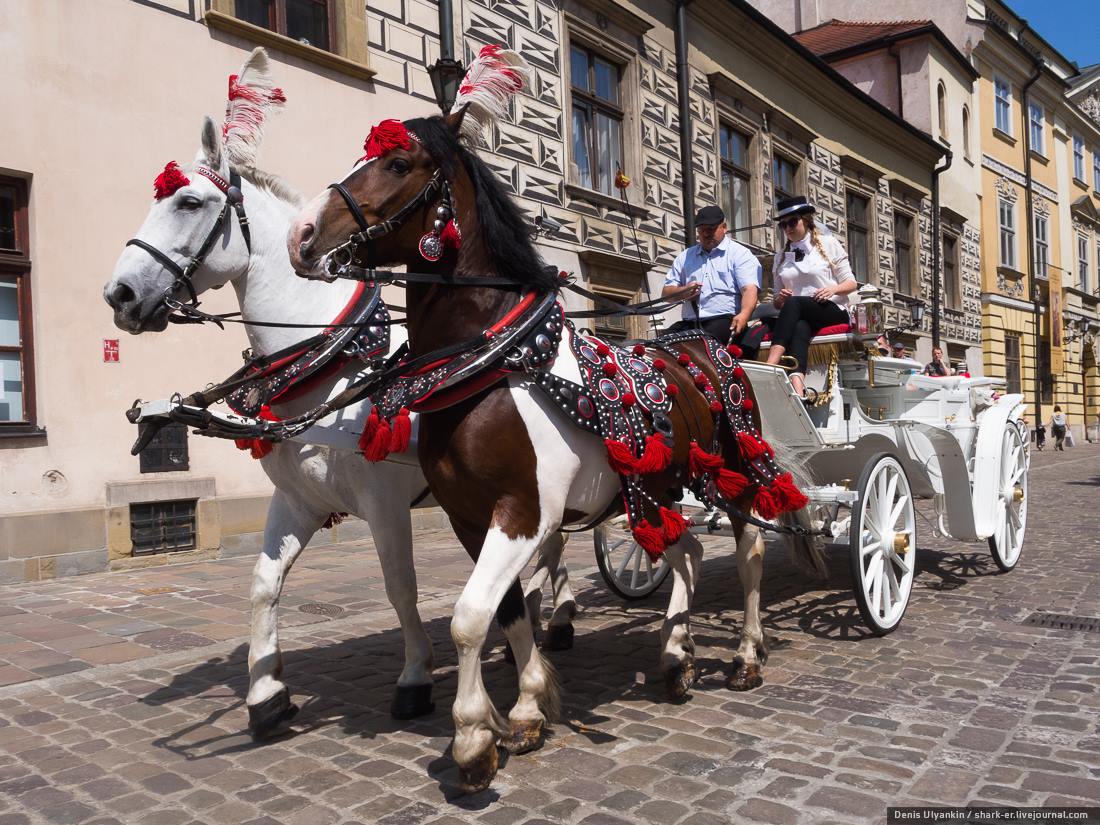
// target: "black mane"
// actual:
[[504, 230]]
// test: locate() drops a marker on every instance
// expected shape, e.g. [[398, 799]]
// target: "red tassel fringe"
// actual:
[[619, 457], [730, 484], [401, 431], [700, 462], [650, 538], [716, 407], [787, 495], [379, 446], [765, 504], [656, 457], [673, 524], [751, 448]]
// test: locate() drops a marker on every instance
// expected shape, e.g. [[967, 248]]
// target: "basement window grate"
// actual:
[[163, 526], [1059, 621]]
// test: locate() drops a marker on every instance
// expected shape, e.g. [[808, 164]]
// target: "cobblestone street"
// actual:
[[123, 694]]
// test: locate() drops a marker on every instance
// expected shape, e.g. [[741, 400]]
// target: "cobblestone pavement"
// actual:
[[123, 696]]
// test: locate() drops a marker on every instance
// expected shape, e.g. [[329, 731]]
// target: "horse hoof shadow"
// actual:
[[412, 701], [559, 637], [268, 719]]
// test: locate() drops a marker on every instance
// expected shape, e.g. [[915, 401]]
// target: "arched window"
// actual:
[[966, 131], [941, 108]]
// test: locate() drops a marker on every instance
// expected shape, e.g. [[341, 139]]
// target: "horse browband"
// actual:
[[234, 199]]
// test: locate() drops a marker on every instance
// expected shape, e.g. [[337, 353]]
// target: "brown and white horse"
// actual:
[[505, 464]]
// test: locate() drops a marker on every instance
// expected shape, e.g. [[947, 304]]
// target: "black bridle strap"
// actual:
[[352, 205]]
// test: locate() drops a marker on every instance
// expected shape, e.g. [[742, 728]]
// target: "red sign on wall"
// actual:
[[110, 350]]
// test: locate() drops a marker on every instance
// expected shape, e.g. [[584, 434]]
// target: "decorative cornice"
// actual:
[[1004, 301], [1004, 170]]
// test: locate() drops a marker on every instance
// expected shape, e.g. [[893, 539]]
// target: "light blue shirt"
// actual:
[[722, 273]]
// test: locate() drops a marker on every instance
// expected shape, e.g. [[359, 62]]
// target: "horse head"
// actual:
[[190, 240]]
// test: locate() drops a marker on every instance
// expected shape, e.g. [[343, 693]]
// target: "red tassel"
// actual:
[[450, 237], [169, 181], [684, 359], [672, 390], [243, 443], [370, 427], [747, 405], [379, 446], [603, 350], [401, 431], [650, 539], [387, 135], [734, 350], [751, 449], [260, 447], [333, 519], [659, 364], [701, 381], [629, 400], [730, 484], [656, 457], [639, 350], [787, 495], [673, 524], [610, 368], [765, 504], [738, 373], [701, 462], [716, 407], [619, 457]]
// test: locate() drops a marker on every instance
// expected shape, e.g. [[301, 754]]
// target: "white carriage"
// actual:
[[880, 436]]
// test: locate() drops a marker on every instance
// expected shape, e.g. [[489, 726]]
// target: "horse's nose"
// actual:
[[306, 236], [119, 296]]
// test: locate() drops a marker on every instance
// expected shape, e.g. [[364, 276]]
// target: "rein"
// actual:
[[234, 199]]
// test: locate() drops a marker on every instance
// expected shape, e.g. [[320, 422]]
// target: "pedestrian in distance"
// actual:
[[937, 367], [1058, 428], [718, 279]]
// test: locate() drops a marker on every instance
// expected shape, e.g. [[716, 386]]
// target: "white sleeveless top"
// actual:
[[807, 276]]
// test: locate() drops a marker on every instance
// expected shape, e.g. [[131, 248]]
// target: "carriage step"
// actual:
[[1058, 621]]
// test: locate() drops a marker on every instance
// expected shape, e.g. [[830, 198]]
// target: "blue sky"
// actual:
[[1071, 26]]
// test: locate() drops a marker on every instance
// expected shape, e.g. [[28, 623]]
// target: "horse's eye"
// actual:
[[190, 203], [400, 166]]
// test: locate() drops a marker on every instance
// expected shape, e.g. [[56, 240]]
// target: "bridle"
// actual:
[[234, 199], [344, 254]]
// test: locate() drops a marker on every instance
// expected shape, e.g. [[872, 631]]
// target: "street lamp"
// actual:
[[446, 74], [916, 313]]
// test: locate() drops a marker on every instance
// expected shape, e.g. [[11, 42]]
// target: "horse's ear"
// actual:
[[455, 118], [210, 154]]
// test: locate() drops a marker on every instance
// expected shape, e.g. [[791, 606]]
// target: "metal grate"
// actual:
[[1058, 621], [332, 611], [167, 452], [162, 526]]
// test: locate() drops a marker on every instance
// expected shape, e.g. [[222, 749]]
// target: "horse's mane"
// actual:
[[505, 232], [267, 181]]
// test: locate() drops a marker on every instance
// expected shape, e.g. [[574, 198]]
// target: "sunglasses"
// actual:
[[789, 223]]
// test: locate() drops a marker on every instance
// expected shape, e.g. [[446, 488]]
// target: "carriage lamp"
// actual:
[[868, 313], [446, 74]]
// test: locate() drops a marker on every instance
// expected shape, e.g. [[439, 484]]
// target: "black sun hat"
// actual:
[[792, 206]]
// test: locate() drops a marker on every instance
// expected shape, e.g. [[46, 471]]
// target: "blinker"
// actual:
[[234, 195]]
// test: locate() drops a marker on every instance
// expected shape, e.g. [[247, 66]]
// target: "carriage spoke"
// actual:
[[870, 577], [627, 556], [887, 588], [891, 491], [870, 544], [895, 514], [903, 564]]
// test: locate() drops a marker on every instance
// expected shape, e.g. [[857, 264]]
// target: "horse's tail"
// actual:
[[807, 553]]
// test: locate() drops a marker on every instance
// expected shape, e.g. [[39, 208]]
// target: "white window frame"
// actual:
[[1006, 233], [1038, 142], [1079, 158], [1000, 85], [966, 131], [1082, 263], [1042, 247], [1096, 169]]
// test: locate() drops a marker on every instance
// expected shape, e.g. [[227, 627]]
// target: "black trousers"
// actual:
[[799, 320], [718, 326]]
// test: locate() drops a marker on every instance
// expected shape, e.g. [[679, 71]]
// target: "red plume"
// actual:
[[169, 181], [387, 135]]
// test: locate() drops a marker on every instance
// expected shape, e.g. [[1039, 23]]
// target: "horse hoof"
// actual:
[[558, 637], [746, 677], [678, 680], [478, 775], [526, 736], [267, 718], [411, 701]]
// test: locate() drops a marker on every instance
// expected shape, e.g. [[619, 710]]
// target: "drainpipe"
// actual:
[[446, 30], [687, 173], [1038, 387], [936, 275]]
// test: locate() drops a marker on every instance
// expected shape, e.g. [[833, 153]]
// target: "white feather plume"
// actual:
[[494, 77], [252, 94]]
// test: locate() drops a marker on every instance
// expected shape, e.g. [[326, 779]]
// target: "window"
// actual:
[[784, 176], [1002, 105], [1042, 247], [941, 109], [903, 252], [1082, 263], [736, 181], [307, 21], [1079, 159], [859, 230], [1035, 121], [17, 405], [162, 526], [1096, 170], [966, 132], [597, 119], [1006, 212], [1012, 362], [952, 297]]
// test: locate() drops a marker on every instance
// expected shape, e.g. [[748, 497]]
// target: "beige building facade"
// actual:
[[98, 121]]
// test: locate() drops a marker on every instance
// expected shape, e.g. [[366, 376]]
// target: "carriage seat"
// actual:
[[826, 335]]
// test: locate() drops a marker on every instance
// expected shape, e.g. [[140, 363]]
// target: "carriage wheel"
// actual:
[[883, 544], [625, 566], [1008, 539]]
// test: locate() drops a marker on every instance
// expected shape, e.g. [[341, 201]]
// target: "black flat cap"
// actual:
[[710, 216]]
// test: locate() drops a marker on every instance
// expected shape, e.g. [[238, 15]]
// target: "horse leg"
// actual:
[[288, 530], [677, 646], [478, 724], [753, 651], [559, 630], [387, 513], [537, 704]]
